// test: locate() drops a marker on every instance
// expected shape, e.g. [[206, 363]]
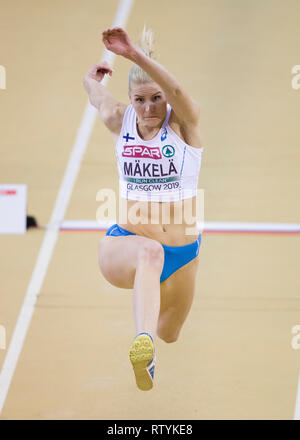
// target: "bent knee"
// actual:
[[169, 338], [116, 272], [152, 252], [167, 335]]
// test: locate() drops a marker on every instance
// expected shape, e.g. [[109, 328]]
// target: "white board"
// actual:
[[13, 200]]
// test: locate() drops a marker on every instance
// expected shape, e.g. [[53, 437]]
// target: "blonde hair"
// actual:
[[146, 44]]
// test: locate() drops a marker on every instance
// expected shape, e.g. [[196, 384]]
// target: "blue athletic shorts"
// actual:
[[175, 256]]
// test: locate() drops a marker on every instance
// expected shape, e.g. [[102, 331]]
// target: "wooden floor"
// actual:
[[234, 359]]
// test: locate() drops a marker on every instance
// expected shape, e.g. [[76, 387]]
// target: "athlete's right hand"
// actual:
[[97, 71]]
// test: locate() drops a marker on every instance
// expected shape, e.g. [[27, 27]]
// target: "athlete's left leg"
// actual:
[[176, 296]]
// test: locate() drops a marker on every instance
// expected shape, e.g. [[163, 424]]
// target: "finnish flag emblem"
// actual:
[[127, 137]]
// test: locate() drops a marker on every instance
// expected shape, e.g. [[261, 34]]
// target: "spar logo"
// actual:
[[141, 151], [8, 192], [168, 151]]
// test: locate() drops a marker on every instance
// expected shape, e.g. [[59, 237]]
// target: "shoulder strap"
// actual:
[[169, 109]]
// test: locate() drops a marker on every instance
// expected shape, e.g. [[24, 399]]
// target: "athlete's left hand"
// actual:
[[116, 40]]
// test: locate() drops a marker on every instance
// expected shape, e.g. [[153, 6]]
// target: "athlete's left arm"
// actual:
[[184, 107]]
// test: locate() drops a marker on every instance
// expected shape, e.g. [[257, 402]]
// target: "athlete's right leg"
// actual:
[[135, 262]]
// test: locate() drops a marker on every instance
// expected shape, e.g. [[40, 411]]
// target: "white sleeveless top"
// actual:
[[163, 169]]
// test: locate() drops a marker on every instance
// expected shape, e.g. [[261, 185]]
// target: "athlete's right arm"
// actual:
[[110, 110]]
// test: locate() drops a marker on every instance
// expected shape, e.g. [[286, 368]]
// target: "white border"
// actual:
[[297, 406]]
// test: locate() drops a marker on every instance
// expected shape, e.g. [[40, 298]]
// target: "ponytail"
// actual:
[[146, 44]]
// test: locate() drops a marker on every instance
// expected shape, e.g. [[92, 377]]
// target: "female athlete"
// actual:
[[158, 151]]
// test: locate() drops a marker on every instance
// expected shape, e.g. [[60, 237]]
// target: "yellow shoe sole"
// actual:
[[141, 353]]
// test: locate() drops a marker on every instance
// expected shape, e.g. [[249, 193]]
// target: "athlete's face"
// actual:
[[149, 102]]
